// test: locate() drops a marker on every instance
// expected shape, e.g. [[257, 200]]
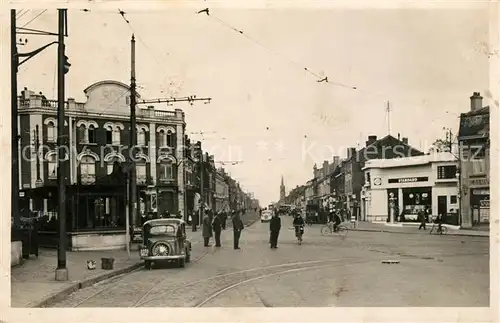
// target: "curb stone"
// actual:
[[60, 295], [396, 232]]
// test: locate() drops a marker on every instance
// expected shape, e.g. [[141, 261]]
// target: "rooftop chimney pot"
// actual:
[[405, 140], [476, 101]]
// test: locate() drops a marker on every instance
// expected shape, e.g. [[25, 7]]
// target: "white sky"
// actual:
[[426, 62]]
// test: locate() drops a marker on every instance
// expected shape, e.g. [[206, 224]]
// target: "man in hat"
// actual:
[[237, 228]]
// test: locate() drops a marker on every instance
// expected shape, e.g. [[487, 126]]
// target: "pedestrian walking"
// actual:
[[237, 228], [422, 217], [217, 226], [206, 230], [223, 219], [274, 227]]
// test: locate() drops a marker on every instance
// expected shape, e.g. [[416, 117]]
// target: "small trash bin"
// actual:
[[107, 263]]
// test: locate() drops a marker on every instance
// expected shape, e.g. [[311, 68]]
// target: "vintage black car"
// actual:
[[165, 240]]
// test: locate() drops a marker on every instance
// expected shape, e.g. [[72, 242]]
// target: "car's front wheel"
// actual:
[[147, 264], [188, 256]]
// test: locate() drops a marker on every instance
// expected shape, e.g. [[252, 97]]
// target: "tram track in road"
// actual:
[[117, 283], [241, 276], [266, 303]]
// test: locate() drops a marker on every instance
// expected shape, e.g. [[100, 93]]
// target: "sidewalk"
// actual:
[[412, 228], [33, 283]]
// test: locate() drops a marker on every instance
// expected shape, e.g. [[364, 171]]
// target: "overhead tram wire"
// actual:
[[305, 68], [21, 13], [34, 18], [320, 78]]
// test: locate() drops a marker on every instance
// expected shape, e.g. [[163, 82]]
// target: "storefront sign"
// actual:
[[377, 181], [481, 191], [408, 180], [484, 203], [137, 235], [479, 181]]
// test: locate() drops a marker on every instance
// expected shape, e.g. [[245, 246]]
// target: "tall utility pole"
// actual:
[[14, 128], [133, 139], [61, 271]]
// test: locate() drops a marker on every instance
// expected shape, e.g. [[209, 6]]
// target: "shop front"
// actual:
[[399, 190], [480, 205]]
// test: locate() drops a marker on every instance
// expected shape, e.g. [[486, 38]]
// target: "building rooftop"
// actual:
[[475, 123], [410, 161]]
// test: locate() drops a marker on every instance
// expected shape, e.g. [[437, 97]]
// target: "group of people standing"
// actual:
[[213, 227]]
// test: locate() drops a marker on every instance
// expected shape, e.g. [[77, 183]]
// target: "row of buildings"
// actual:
[[172, 171], [389, 174]]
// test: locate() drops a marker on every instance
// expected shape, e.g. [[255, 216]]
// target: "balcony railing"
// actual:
[[36, 101]]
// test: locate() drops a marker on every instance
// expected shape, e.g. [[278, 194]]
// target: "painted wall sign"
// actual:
[[479, 181], [409, 179]]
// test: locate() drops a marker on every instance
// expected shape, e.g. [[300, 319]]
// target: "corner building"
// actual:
[[98, 140]]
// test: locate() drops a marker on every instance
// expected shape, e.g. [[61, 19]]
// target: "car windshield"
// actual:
[[162, 230]]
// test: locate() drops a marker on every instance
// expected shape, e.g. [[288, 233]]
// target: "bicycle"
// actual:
[[299, 234], [328, 229], [435, 228]]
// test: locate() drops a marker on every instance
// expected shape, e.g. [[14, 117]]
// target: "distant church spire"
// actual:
[[282, 189]]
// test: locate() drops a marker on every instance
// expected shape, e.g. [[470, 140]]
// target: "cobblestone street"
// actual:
[[323, 271]]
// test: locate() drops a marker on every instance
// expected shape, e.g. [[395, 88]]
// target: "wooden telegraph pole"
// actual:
[[133, 140], [63, 66], [14, 128]]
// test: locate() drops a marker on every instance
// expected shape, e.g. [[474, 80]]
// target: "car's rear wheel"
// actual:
[[182, 263]]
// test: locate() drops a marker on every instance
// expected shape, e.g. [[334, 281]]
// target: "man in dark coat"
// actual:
[[274, 227], [206, 230], [217, 226], [237, 228], [422, 217]]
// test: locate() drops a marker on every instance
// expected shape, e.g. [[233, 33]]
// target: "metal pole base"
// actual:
[[61, 274]]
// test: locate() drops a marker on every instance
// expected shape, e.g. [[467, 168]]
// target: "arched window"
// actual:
[[166, 170], [82, 134], [141, 137], [109, 135], [140, 167], [116, 136], [87, 170], [111, 164], [162, 138], [170, 139], [52, 163], [91, 135], [51, 132]]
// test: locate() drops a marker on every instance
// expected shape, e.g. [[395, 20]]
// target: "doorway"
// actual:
[[442, 205]]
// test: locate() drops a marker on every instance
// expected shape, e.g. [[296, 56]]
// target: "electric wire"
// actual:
[[320, 78], [34, 18], [21, 14]]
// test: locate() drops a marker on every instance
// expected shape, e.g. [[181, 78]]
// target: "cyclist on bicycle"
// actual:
[[298, 223], [337, 221]]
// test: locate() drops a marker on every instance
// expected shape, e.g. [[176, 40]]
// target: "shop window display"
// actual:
[[414, 201]]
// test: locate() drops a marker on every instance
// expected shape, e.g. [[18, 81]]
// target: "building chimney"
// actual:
[[405, 140], [399, 136], [351, 152], [371, 140], [476, 101]]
